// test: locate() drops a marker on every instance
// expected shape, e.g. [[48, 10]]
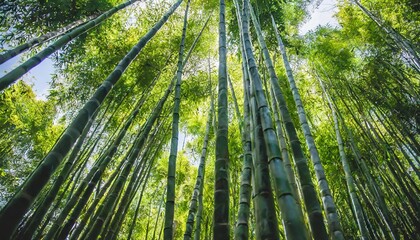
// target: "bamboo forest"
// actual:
[[202, 119]]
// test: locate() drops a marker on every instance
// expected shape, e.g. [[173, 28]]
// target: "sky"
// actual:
[[322, 15], [40, 76]]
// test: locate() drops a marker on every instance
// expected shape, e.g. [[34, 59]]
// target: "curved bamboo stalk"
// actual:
[[43, 39], [14, 211], [22, 69]]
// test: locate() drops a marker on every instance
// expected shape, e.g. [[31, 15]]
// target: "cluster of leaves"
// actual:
[[28, 130], [20, 20]]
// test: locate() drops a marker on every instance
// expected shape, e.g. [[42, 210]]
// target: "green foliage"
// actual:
[[29, 129], [24, 19]]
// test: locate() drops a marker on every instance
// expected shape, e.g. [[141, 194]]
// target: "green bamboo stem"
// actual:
[[289, 208], [264, 206], [158, 215], [134, 219], [43, 39], [235, 103], [170, 192], [283, 146], [93, 176], [88, 181], [38, 215], [136, 180], [130, 159], [221, 226], [199, 216], [245, 190], [152, 159], [22, 69], [75, 177], [115, 218], [94, 204], [330, 209], [372, 185], [200, 177], [78, 201], [357, 208], [273, 78], [197, 231]]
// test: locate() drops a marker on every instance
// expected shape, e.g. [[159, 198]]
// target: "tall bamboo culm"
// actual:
[[351, 187], [199, 216], [43, 38], [308, 186], [255, 159], [221, 228], [170, 188], [327, 200], [406, 46], [200, 177], [245, 189], [22, 69], [292, 220]]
